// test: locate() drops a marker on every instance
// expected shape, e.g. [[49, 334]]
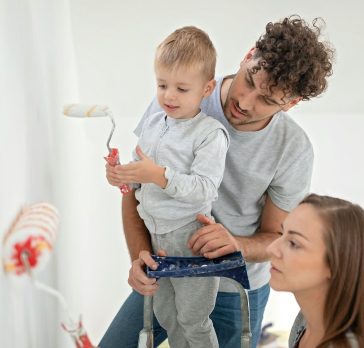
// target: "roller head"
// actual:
[[32, 233], [81, 110]]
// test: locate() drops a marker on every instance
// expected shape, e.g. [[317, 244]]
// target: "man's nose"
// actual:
[[246, 102]]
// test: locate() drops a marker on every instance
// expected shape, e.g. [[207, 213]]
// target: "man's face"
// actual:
[[250, 104]]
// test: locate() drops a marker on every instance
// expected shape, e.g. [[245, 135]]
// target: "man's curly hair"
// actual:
[[293, 57]]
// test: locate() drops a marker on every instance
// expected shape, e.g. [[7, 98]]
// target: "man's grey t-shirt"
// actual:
[[276, 160]]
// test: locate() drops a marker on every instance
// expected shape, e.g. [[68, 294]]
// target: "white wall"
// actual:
[[114, 44]]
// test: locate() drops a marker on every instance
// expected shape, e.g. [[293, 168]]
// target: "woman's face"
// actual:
[[298, 261]]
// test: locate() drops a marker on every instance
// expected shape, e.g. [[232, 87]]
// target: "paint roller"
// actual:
[[26, 249], [80, 111]]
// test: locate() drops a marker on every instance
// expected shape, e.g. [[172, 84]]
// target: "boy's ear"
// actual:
[[209, 87]]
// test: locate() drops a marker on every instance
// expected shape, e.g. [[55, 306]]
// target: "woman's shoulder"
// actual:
[[298, 328], [353, 341]]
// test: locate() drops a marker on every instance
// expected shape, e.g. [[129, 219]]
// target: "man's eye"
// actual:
[[248, 82], [268, 102]]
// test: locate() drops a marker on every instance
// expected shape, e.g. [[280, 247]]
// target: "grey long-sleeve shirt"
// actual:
[[193, 151]]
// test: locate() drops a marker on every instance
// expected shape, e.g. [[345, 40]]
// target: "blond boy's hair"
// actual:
[[187, 47]]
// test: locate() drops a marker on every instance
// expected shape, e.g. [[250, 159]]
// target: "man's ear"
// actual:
[[209, 87], [291, 103], [249, 55]]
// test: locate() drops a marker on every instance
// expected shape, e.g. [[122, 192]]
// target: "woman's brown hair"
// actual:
[[344, 239]]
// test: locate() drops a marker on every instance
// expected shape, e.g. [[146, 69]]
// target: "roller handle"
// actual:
[[79, 336], [113, 160]]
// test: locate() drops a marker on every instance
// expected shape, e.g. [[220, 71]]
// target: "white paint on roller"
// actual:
[[83, 110]]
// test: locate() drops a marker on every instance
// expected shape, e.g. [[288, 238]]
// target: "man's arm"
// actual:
[[254, 247], [138, 242], [214, 240], [136, 234], [137, 239]]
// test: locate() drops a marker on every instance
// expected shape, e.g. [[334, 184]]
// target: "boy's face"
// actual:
[[181, 90]]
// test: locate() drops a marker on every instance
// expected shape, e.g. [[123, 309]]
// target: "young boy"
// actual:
[[183, 154]]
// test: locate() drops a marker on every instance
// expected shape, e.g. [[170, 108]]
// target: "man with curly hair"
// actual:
[[268, 172]]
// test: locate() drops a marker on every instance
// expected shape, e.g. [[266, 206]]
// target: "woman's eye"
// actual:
[[293, 244]]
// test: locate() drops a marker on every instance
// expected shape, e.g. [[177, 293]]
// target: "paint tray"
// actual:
[[229, 266]]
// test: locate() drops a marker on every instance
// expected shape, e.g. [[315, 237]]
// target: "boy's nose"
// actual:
[[169, 95]]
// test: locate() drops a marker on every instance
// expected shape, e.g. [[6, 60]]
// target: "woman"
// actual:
[[319, 259]]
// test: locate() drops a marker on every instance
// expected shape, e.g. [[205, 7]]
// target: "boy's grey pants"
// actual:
[[183, 305]]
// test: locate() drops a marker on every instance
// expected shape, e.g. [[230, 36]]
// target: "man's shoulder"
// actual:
[[287, 123], [291, 132]]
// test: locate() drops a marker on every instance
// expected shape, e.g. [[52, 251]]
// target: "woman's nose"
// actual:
[[273, 249]]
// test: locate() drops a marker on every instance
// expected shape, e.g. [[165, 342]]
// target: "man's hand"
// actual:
[[212, 240], [142, 172], [138, 279]]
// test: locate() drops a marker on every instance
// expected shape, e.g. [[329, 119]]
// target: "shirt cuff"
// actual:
[[169, 175]]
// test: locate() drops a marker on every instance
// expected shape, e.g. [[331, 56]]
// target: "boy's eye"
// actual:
[[182, 89], [162, 86]]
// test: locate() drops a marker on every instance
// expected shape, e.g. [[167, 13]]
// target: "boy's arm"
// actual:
[[200, 185], [207, 170]]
